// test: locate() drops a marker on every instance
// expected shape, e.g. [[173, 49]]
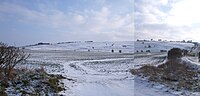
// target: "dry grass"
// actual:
[[36, 79], [172, 73]]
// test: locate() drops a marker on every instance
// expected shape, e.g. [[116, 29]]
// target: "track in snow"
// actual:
[[96, 73], [94, 82]]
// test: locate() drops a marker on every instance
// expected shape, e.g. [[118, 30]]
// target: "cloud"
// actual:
[[79, 19], [149, 11], [167, 19], [100, 24], [184, 12], [162, 30], [51, 18], [104, 22]]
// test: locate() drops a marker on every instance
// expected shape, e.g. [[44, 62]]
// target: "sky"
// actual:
[[167, 19], [24, 22]]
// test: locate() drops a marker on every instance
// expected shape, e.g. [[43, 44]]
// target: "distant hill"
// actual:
[[124, 46], [158, 46]]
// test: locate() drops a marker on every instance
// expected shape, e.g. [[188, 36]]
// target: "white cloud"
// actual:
[[164, 2], [168, 19], [92, 24], [149, 11], [50, 18], [79, 19], [163, 31], [185, 12]]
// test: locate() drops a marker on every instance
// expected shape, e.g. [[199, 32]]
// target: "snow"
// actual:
[[145, 89], [101, 83], [110, 88], [156, 46], [125, 46], [97, 73], [192, 62], [100, 72]]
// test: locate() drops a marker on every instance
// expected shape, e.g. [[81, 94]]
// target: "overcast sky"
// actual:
[[31, 21], [167, 19]]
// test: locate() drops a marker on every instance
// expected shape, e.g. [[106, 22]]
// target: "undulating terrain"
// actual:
[[92, 69]]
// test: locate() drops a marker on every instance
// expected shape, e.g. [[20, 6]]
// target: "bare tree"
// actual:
[[9, 58]]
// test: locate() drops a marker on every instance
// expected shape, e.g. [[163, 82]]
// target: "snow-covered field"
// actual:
[[99, 72], [156, 46], [93, 73], [124, 46]]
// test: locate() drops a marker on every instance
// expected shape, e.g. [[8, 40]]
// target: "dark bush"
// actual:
[[163, 50], [174, 53], [148, 51], [9, 57]]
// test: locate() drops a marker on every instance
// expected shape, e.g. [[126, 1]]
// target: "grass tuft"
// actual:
[[173, 73]]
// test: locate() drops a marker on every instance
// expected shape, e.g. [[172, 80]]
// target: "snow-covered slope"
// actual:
[[102, 73], [124, 46], [156, 46]]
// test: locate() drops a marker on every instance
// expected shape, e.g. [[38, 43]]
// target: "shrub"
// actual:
[[174, 53], [39, 81], [148, 51], [2, 91], [173, 73], [9, 57]]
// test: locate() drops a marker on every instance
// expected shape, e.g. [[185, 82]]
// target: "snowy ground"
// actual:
[[124, 46], [100, 72], [145, 88], [94, 73], [156, 46]]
